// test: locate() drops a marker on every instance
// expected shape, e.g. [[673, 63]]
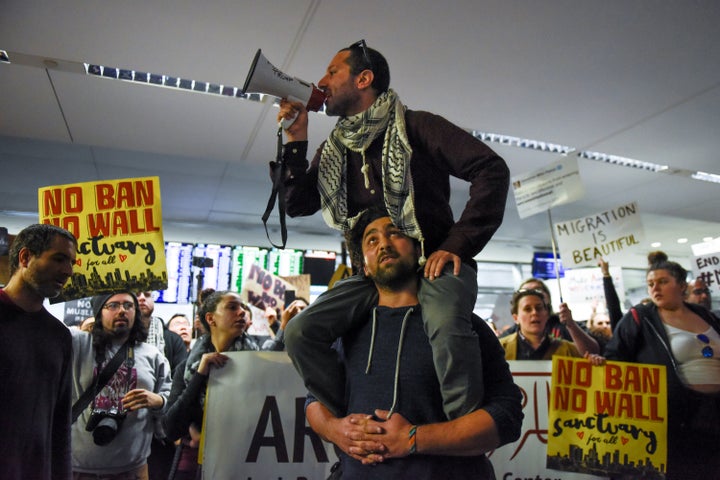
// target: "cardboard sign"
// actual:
[[583, 241], [707, 267], [76, 311], [118, 225], [259, 285], [607, 419], [542, 189]]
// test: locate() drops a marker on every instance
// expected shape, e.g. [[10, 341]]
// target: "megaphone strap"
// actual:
[[278, 192]]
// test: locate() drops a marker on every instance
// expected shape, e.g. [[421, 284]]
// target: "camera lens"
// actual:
[[105, 431]]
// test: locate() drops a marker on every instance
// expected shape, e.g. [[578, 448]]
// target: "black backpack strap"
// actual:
[[100, 381]]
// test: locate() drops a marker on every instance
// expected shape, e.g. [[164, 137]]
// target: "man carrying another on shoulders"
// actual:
[[392, 423]]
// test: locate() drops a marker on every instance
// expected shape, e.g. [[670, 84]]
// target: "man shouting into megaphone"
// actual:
[[381, 153]]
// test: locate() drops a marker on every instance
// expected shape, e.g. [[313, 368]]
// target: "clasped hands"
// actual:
[[371, 441]]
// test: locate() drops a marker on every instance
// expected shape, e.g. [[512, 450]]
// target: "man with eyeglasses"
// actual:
[[382, 154], [112, 436], [35, 358], [698, 293]]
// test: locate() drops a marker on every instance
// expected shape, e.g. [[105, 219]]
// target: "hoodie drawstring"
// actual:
[[396, 379]]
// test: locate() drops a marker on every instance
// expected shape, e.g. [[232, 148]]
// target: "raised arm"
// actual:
[[584, 342]]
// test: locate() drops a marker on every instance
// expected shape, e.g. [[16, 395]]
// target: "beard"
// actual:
[[396, 275], [339, 105]]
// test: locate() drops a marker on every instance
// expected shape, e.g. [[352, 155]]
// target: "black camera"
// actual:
[[105, 424]]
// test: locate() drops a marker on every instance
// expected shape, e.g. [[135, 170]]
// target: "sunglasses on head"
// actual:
[[366, 56]]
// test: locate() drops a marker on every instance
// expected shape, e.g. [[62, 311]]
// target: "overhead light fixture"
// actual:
[[656, 244], [165, 81], [706, 177], [682, 240], [538, 145], [187, 85], [622, 161]]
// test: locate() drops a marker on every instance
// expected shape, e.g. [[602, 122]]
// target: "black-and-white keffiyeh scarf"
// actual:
[[356, 133], [156, 334], [203, 345]]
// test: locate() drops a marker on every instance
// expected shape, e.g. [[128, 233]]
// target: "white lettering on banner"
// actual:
[[271, 439]]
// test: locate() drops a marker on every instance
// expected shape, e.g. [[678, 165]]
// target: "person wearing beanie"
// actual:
[[112, 436]]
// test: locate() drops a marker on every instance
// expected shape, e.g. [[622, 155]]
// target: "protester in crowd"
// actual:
[[198, 327], [698, 293], [598, 326], [35, 358], [175, 350], [686, 339], [226, 317], [158, 334], [392, 424], [180, 325], [531, 341], [111, 437], [380, 154], [560, 325]]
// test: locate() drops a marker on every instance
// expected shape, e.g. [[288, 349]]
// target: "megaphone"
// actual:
[[265, 78]]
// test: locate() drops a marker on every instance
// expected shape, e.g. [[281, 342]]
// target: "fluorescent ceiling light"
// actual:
[[188, 85], [622, 161], [706, 177]]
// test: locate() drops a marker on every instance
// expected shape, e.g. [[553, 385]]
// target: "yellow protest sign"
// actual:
[[609, 419], [118, 225]]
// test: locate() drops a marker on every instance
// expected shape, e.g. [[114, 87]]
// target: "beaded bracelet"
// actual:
[[411, 439]]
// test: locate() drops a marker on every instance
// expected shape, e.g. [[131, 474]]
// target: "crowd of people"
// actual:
[[402, 377]]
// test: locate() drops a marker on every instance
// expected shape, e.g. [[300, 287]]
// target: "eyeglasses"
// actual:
[[115, 306], [707, 350], [366, 56]]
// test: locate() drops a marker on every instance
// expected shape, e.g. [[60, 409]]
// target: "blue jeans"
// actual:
[[447, 304]]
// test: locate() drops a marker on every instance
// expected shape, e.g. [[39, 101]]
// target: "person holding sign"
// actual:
[[686, 339], [531, 340], [392, 424], [227, 318]]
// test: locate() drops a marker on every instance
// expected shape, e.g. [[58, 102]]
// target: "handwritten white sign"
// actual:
[[583, 241]]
